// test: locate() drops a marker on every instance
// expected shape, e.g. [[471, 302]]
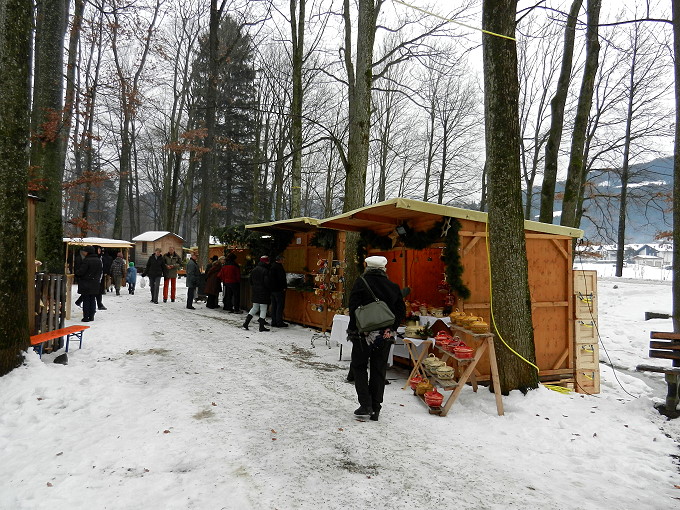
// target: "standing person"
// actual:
[[230, 274], [106, 266], [89, 274], [131, 277], [213, 285], [259, 281], [107, 260], [154, 270], [173, 263], [371, 350], [278, 285], [193, 277], [118, 272], [77, 260]]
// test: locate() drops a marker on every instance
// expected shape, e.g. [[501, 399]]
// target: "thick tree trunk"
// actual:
[[47, 127], [15, 43], [676, 170], [552, 147], [575, 173], [360, 79], [509, 269]]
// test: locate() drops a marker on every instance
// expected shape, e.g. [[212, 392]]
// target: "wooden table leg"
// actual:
[[416, 362], [463, 379], [494, 376]]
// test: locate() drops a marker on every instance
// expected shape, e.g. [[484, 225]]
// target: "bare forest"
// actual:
[[185, 117]]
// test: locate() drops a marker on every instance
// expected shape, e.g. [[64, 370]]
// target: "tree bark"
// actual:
[[509, 268], [575, 173], [552, 148], [15, 43], [676, 169], [47, 127], [297, 27]]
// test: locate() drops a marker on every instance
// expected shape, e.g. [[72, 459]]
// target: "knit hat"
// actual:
[[265, 259], [131, 264], [376, 262]]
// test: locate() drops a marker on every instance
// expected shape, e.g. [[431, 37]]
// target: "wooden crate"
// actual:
[[585, 282], [585, 306], [587, 357], [588, 381], [585, 331]]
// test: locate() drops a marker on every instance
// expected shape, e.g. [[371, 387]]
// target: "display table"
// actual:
[[466, 364], [417, 349], [339, 336]]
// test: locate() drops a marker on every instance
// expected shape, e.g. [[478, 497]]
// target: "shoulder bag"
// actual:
[[373, 316]]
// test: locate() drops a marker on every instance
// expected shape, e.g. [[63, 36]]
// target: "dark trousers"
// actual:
[[367, 359], [131, 287], [190, 296], [154, 287], [232, 296], [278, 304], [212, 301], [89, 306]]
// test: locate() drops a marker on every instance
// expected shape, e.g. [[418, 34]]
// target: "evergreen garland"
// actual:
[[451, 257], [369, 238], [324, 238], [419, 240]]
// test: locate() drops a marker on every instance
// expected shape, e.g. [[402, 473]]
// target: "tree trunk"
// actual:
[[208, 161], [297, 27], [360, 80], [15, 43], [676, 170], [621, 230], [575, 177], [509, 268], [47, 129], [552, 147]]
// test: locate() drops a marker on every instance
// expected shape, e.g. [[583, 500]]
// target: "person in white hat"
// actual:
[[370, 351]]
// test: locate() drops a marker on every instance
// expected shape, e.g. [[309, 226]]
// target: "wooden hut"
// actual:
[[146, 243], [306, 302], [549, 254]]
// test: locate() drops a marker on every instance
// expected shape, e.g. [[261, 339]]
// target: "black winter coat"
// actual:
[[259, 280], [155, 266], [384, 289], [277, 278], [89, 274]]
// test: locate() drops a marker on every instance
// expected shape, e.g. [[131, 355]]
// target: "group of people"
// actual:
[[92, 266], [163, 266], [370, 350]]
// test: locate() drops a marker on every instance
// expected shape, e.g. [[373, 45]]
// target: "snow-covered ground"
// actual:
[[168, 408]]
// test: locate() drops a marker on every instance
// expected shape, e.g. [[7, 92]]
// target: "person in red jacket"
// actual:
[[230, 274]]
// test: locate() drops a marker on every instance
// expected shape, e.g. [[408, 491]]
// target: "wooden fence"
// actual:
[[52, 295]]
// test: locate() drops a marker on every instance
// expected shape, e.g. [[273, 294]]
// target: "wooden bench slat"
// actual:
[[662, 370], [51, 335], [670, 345], [664, 355], [664, 335]]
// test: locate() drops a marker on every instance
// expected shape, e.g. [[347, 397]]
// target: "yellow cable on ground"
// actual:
[[454, 21], [493, 319]]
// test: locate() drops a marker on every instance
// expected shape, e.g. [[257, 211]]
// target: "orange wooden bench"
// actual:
[[68, 332]]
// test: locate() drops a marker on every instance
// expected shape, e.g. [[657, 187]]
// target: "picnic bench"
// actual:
[[68, 332], [666, 345]]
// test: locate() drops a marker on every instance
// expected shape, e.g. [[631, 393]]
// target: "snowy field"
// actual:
[[169, 408]]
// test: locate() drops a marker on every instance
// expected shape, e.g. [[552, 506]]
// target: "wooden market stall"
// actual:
[[549, 254], [73, 245], [312, 298]]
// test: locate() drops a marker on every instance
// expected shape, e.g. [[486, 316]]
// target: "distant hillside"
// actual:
[[648, 212]]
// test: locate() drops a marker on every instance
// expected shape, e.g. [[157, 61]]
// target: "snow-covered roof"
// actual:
[[154, 235], [98, 241]]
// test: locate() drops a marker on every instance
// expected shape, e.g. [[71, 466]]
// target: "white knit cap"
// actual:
[[376, 262]]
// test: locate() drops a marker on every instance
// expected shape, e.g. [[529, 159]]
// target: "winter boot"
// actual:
[[248, 319], [262, 324]]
